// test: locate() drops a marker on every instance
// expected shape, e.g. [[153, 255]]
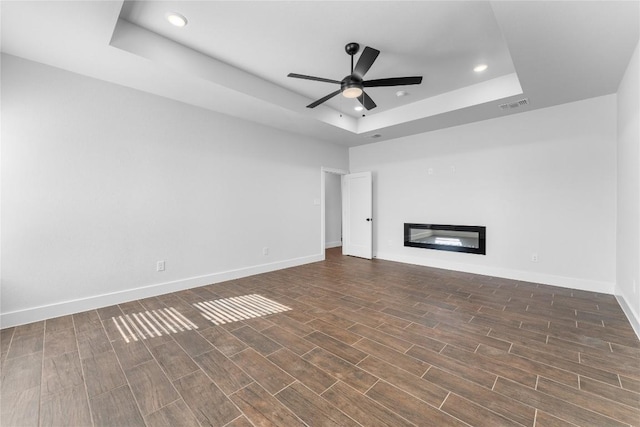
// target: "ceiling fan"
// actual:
[[352, 86]]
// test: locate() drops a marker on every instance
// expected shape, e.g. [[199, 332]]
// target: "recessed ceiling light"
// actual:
[[480, 68], [358, 108], [176, 19], [401, 93]]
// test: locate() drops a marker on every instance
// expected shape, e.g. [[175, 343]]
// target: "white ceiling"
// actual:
[[233, 57], [309, 38]]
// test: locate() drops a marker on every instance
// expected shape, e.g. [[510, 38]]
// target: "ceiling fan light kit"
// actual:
[[352, 86], [352, 91]]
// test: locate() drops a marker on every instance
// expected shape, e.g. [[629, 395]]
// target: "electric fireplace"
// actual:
[[456, 238]]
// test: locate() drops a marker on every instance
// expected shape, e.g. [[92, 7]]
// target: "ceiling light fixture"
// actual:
[[351, 91], [401, 93], [176, 19], [480, 68], [358, 108]]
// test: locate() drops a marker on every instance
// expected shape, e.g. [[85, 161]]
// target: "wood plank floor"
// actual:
[[366, 343]]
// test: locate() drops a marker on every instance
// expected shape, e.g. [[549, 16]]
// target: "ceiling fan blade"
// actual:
[[321, 100], [365, 62], [319, 79], [366, 101], [393, 81]]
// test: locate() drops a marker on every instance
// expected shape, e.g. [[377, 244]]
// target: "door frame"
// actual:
[[323, 171]]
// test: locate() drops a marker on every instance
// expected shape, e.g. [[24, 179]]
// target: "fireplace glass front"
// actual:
[[457, 238]]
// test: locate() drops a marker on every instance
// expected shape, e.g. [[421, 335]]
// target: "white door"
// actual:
[[356, 211]]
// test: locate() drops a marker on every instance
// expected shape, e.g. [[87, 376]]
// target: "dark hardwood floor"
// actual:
[[366, 343]]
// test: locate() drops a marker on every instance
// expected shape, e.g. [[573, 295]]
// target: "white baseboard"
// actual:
[[634, 318], [336, 244], [527, 276], [34, 314]]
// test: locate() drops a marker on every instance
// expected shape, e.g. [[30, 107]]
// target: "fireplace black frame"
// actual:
[[481, 230]]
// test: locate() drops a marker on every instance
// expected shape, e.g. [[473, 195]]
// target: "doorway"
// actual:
[[331, 201]]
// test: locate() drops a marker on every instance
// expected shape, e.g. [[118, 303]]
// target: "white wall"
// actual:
[[628, 226], [333, 210], [542, 182], [99, 182]]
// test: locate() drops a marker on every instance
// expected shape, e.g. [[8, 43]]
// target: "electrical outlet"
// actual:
[[265, 251], [160, 266], [534, 257]]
